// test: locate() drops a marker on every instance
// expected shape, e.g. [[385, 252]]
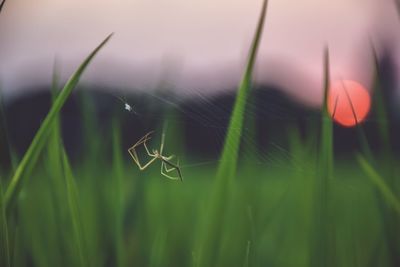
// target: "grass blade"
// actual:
[[212, 226], [4, 136], [30, 158], [327, 125], [361, 134], [389, 216], [4, 241], [389, 206], [72, 195], [54, 140], [118, 173], [229, 157], [322, 250], [380, 183], [379, 105]]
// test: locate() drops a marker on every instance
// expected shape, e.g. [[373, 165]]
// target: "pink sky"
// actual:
[[192, 44]]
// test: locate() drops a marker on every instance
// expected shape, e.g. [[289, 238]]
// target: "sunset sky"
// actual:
[[194, 45]]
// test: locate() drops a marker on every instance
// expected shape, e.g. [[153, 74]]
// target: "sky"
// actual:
[[193, 45]]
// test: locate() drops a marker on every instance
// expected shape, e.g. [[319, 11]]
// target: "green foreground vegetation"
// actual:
[[307, 209], [119, 216]]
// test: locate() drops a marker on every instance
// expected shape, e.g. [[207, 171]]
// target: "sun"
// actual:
[[349, 102]]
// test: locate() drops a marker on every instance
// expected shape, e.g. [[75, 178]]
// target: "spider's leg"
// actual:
[[147, 149], [164, 172], [148, 164], [134, 156], [166, 163], [141, 141], [147, 136], [149, 133], [169, 158], [165, 166]]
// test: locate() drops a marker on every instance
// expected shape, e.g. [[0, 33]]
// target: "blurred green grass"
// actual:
[[142, 219], [307, 210]]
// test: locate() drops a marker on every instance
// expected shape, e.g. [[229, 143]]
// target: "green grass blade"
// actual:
[[4, 241], [380, 183], [210, 233], [361, 134], [387, 165], [229, 157], [118, 173], [55, 137], [30, 158], [379, 105], [383, 125], [72, 195], [4, 134], [321, 253], [327, 125], [364, 143], [91, 146]]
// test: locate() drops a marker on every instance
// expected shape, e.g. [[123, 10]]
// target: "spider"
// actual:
[[166, 165]]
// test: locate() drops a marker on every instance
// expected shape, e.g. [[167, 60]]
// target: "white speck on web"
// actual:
[[128, 107]]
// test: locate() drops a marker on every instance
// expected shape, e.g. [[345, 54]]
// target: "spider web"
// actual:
[[211, 114]]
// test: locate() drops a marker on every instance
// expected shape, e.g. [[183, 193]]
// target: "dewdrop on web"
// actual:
[[127, 106]]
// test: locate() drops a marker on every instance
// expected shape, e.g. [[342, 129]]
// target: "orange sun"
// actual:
[[348, 102]]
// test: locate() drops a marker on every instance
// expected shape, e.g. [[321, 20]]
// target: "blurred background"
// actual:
[[196, 45], [188, 57]]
